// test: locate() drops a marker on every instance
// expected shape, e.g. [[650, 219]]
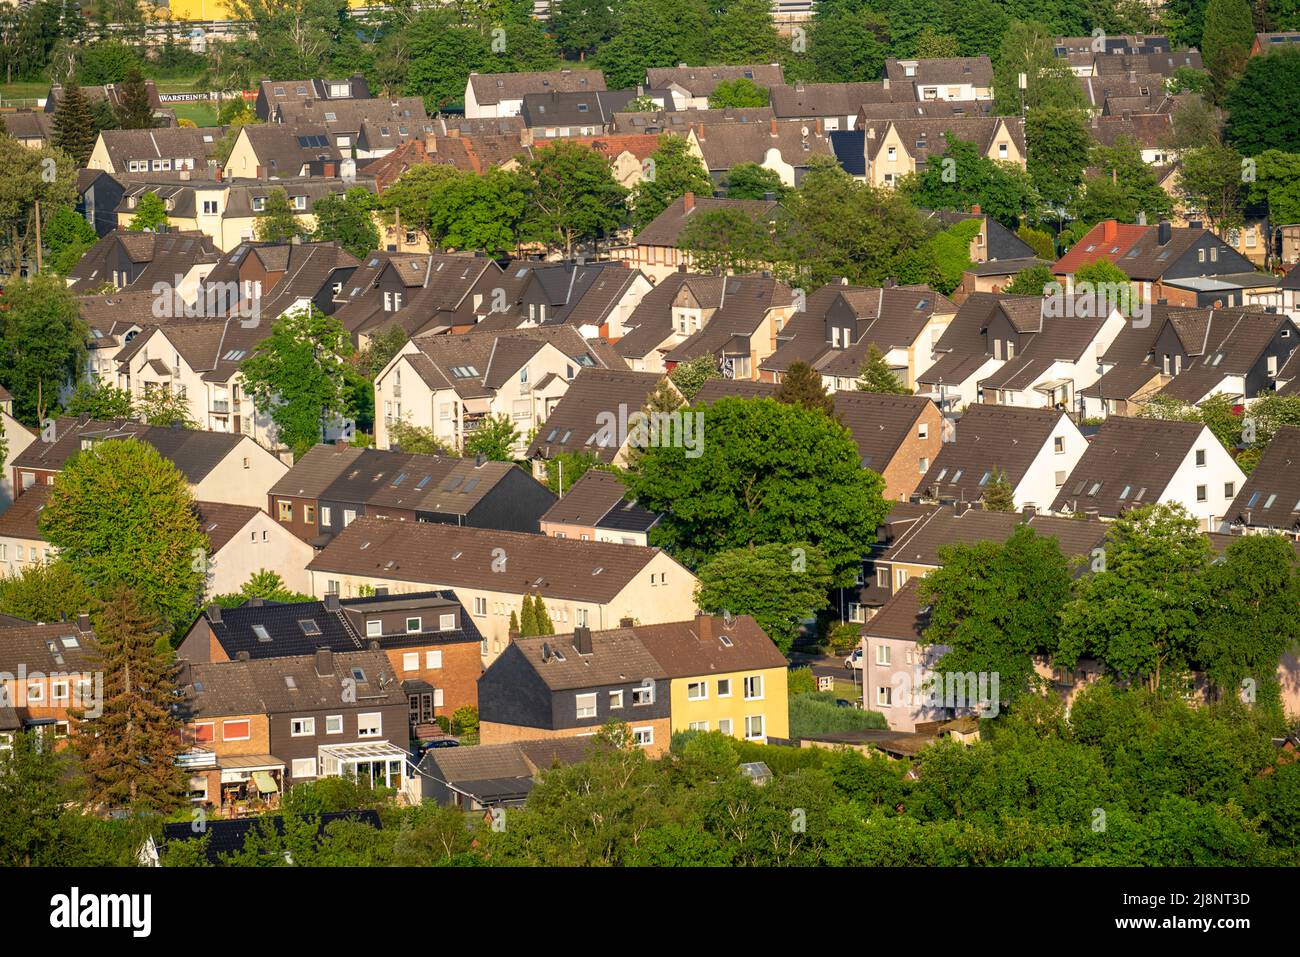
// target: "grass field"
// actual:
[[203, 114]]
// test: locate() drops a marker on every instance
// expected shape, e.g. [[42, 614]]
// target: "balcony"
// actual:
[[221, 406]]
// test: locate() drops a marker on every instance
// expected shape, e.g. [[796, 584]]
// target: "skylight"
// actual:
[[261, 632], [359, 675], [309, 627]]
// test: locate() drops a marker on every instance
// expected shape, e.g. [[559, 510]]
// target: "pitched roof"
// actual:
[[165, 255], [920, 542], [457, 556], [575, 424], [703, 80], [23, 516], [194, 452], [221, 521], [989, 439], [1220, 343], [976, 70], [665, 228], [1271, 496], [900, 617], [491, 88], [28, 647], [923, 136], [725, 145], [599, 500], [1107, 240], [680, 122]]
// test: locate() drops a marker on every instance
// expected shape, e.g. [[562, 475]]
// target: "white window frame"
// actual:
[[433, 659], [762, 727], [334, 718], [747, 685], [302, 727], [701, 686], [615, 700], [363, 728], [644, 736], [585, 706], [411, 661], [302, 768]]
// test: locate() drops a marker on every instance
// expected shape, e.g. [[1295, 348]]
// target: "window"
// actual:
[[302, 727], [884, 654], [724, 726], [480, 606], [615, 700], [203, 732], [370, 725], [923, 465], [1058, 445], [334, 724], [1229, 489], [901, 577], [433, 659], [857, 613], [411, 661], [236, 730], [1200, 458], [753, 727], [285, 511], [325, 517], [1200, 493], [698, 726], [643, 736], [303, 768], [309, 514], [884, 697], [753, 687], [586, 705], [35, 692], [642, 696], [413, 626], [697, 691], [59, 689], [724, 687], [374, 628], [923, 430], [349, 516], [209, 207]]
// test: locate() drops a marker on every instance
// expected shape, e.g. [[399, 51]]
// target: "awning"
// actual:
[[265, 783]]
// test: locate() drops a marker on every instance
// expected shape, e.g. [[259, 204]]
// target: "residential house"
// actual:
[[494, 775], [98, 196], [32, 128], [577, 113], [897, 436], [136, 260], [451, 384], [691, 86], [276, 97], [1135, 462], [596, 508], [1235, 352], [895, 148], [428, 638], [582, 583], [1269, 500], [701, 674], [257, 726], [230, 469], [1149, 131], [359, 129], [785, 147], [17, 437], [113, 94], [836, 104], [48, 674], [942, 78], [1268, 42], [597, 298], [332, 485], [680, 122], [654, 249], [502, 94], [741, 333], [180, 153], [1033, 449], [592, 418]]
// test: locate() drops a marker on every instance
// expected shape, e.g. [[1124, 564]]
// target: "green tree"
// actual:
[[1123, 187], [345, 219], [1226, 40], [1030, 282], [33, 795], [136, 110], [998, 495], [653, 33], [740, 92], [780, 585], [676, 171], [768, 467], [802, 385], [43, 340], [582, 26], [67, 236], [1277, 184], [45, 591], [543, 616], [476, 212], [690, 375], [877, 376], [950, 251], [743, 32], [29, 176], [726, 240], [1258, 105], [1141, 615], [264, 584], [1030, 48], [573, 198], [98, 401], [129, 759], [1040, 241], [150, 214], [751, 181], [932, 44], [417, 439], [121, 516], [278, 222], [163, 406], [565, 468], [1211, 179], [1057, 143], [962, 176], [495, 438], [73, 126], [846, 46], [297, 376], [528, 617]]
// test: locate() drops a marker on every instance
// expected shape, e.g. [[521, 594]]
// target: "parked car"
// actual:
[[854, 660]]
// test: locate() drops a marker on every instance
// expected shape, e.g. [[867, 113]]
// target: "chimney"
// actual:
[[582, 640], [819, 126], [217, 174], [255, 603], [798, 86], [241, 656], [1164, 232], [83, 623], [1028, 512], [688, 201], [975, 209], [1142, 217], [1109, 230], [332, 601], [704, 626], [774, 127], [1194, 224], [214, 614], [324, 662]]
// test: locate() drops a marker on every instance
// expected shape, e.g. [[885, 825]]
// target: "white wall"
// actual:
[[1039, 484], [1219, 468]]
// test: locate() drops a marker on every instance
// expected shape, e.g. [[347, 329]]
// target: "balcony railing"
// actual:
[[221, 405]]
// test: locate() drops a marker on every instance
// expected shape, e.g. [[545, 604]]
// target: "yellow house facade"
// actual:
[[748, 704]]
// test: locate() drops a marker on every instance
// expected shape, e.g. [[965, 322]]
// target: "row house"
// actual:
[[242, 541], [895, 148], [841, 323], [592, 584], [48, 673], [596, 508], [359, 129], [257, 726], [897, 436], [786, 147], [1034, 450], [180, 153], [33, 128], [274, 97], [679, 122], [1133, 462], [1269, 499], [740, 333], [691, 86], [1083, 52], [502, 94], [1149, 131], [592, 418], [332, 485], [942, 78], [654, 249], [596, 299], [701, 674], [137, 261], [230, 469], [579, 113], [1230, 351], [450, 384], [837, 105], [421, 293], [113, 94], [430, 642]]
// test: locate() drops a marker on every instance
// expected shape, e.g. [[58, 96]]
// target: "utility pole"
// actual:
[[38, 236]]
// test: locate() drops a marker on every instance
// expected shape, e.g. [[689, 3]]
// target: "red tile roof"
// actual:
[[1097, 244]]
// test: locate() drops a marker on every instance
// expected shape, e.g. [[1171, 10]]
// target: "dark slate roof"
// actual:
[[342, 629], [1132, 459], [228, 836], [849, 147], [194, 452], [665, 228], [989, 438], [919, 543], [457, 556], [1271, 496], [900, 617], [598, 500], [574, 424], [494, 772], [490, 88]]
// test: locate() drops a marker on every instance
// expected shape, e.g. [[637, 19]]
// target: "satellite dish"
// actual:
[[803, 131]]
